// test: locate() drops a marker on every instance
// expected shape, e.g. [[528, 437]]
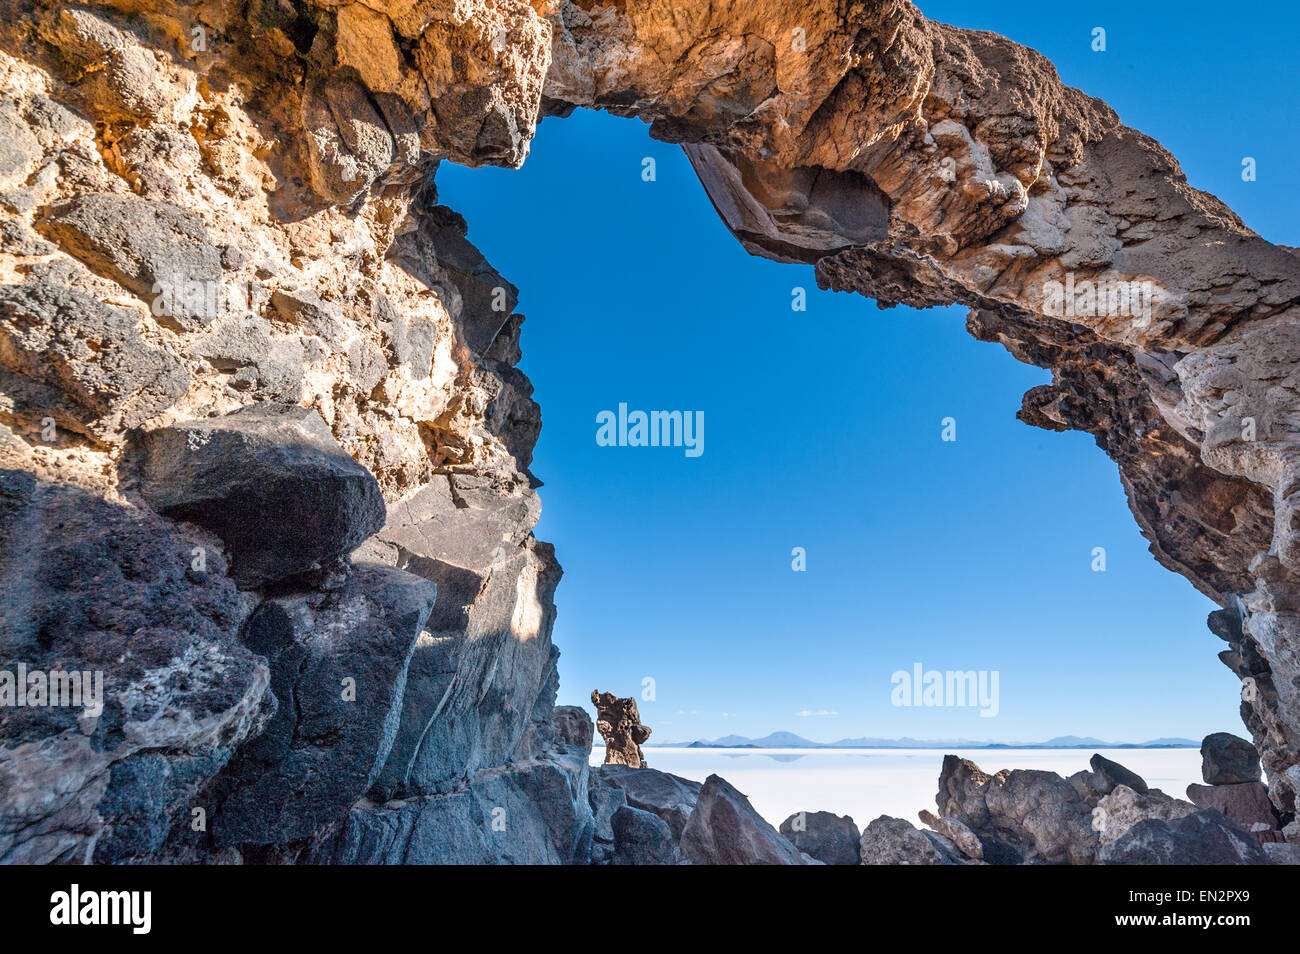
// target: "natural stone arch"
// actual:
[[910, 161]]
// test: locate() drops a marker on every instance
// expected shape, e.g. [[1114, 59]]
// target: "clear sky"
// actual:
[[822, 431]]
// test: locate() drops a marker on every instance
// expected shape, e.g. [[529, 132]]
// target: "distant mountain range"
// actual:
[[788, 740]]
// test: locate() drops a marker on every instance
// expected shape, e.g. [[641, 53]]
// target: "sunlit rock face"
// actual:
[[208, 206]]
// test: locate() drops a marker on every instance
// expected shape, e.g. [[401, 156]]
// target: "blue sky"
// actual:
[[822, 431]]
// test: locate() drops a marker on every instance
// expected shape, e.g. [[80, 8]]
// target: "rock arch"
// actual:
[[291, 145]]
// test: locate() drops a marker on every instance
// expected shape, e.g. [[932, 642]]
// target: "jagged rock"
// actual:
[[1113, 774], [338, 670], [156, 249], [724, 829], [641, 838], [1228, 760], [1123, 807], [1281, 853], [178, 693], [619, 724], [895, 841], [831, 839], [270, 481], [965, 840], [670, 797], [1020, 815], [1245, 803], [1203, 837]]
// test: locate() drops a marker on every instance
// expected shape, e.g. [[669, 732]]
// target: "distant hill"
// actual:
[[789, 740]]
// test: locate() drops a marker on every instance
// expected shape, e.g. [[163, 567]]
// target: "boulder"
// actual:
[[670, 797], [1227, 759], [270, 481], [895, 841], [338, 669], [1204, 837], [724, 829], [572, 726], [1123, 808], [1246, 803], [831, 839], [1021, 815], [641, 838], [1112, 773]]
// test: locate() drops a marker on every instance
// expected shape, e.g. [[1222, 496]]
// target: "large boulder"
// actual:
[[1227, 759], [670, 797], [1123, 807], [1204, 837], [896, 841], [270, 481], [338, 669], [1111, 774], [1020, 815], [1246, 803], [725, 829], [641, 838], [830, 838]]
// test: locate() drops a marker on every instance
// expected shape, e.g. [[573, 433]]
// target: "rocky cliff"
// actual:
[[264, 446]]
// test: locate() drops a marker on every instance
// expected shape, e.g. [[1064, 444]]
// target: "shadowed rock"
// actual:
[[1205, 837], [620, 726], [1112, 774], [270, 481], [338, 669], [1245, 803], [724, 829], [641, 838], [830, 838]]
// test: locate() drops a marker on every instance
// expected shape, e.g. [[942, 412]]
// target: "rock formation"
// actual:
[[221, 235], [619, 724]]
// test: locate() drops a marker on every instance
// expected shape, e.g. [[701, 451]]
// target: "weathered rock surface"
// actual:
[[1203, 837], [1124, 807], [896, 841], [177, 693], [1020, 815], [831, 839], [338, 670], [965, 840], [670, 797], [724, 829], [641, 838], [1245, 803], [270, 481], [1228, 760], [619, 724]]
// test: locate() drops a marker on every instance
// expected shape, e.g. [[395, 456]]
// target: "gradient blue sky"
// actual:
[[822, 430]]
